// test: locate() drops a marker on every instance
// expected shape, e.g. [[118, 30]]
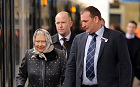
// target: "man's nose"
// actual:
[[83, 25], [60, 24]]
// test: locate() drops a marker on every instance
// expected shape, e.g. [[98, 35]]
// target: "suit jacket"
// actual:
[[56, 42], [113, 66]]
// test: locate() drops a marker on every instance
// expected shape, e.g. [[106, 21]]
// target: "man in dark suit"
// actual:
[[110, 65], [63, 24], [133, 43]]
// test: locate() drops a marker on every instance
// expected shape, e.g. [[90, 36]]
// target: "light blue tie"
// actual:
[[90, 58]]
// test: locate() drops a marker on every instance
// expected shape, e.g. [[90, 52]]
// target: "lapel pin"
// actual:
[[104, 39]]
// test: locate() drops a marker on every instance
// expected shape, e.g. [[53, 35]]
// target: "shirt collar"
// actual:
[[67, 37], [128, 36], [100, 31]]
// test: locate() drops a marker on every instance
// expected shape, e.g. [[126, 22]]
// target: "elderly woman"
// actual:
[[43, 65]]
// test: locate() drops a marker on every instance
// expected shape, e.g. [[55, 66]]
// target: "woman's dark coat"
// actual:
[[42, 73]]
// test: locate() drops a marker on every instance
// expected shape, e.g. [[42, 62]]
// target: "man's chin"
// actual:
[[61, 33], [87, 31]]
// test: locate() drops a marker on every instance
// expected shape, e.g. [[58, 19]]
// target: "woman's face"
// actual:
[[40, 42]]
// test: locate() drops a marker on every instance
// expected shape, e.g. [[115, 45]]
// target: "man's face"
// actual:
[[131, 28], [88, 22], [40, 43], [63, 24]]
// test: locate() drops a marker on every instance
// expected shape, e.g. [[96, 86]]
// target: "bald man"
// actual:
[[63, 25]]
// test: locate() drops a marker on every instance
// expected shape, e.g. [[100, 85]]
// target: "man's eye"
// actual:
[[58, 23], [43, 41], [37, 41], [84, 21]]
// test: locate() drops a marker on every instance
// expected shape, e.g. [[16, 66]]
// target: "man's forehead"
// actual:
[[62, 14], [86, 13], [63, 17]]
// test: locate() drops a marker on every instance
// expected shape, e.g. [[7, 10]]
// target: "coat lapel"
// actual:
[[105, 35], [84, 40]]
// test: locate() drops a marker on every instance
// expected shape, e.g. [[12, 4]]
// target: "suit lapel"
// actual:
[[82, 49], [105, 35], [84, 40]]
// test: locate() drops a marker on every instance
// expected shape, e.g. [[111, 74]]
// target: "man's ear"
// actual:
[[71, 23], [96, 19]]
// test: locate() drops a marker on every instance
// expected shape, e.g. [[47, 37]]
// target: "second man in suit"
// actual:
[[63, 39], [99, 57]]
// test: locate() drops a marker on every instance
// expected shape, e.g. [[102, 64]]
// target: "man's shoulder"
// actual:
[[73, 34], [54, 38], [80, 37], [81, 34], [72, 37]]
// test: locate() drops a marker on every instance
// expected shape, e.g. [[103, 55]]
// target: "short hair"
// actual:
[[102, 19], [133, 22], [66, 14], [93, 12]]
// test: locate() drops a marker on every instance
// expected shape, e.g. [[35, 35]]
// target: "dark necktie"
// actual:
[[90, 58], [64, 45]]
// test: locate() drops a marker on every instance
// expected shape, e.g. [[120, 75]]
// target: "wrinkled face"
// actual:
[[88, 23], [131, 28], [40, 42], [63, 24]]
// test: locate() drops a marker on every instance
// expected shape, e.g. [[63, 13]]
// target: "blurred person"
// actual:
[[112, 26], [43, 65], [133, 43], [116, 27], [137, 31], [99, 57], [63, 39], [103, 21]]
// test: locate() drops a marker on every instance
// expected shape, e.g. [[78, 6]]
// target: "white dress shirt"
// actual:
[[86, 81], [61, 40]]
